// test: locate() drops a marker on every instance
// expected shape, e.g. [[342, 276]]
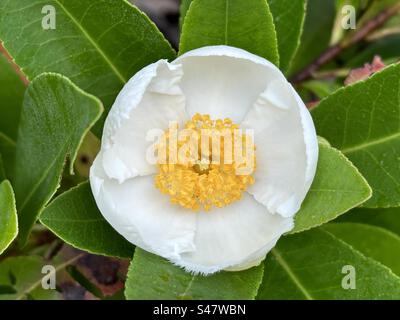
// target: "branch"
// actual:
[[333, 51]]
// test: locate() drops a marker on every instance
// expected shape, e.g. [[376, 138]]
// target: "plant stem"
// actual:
[[333, 51], [17, 69], [337, 73]]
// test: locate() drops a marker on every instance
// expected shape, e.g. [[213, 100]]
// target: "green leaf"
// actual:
[[337, 187], [74, 217], [2, 172], [373, 242], [183, 9], [388, 218], [310, 265], [98, 44], [8, 216], [7, 151], [387, 48], [80, 278], [363, 121], [320, 16], [151, 277], [374, 9], [6, 290], [24, 275], [243, 24], [11, 95], [55, 117], [288, 19], [321, 89]]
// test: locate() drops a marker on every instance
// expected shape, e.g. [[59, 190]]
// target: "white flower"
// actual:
[[223, 82]]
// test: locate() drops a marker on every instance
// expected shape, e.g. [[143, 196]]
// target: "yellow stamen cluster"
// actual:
[[200, 172]]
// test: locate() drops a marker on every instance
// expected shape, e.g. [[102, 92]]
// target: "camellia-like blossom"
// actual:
[[202, 215]]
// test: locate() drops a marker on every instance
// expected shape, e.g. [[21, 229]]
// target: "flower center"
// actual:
[[208, 163]]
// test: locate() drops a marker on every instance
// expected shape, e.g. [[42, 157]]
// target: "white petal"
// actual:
[[256, 258], [144, 216], [150, 100], [233, 237], [287, 148], [223, 81]]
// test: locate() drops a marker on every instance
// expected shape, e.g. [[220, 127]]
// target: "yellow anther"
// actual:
[[199, 182]]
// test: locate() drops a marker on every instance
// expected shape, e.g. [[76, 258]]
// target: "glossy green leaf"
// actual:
[[320, 16], [74, 217], [11, 95], [24, 275], [7, 151], [374, 242], [388, 218], [288, 19], [313, 264], [98, 44], [183, 9], [55, 117], [337, 187], [8, 216], [151, 277], [243, 24], [363, 121]]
